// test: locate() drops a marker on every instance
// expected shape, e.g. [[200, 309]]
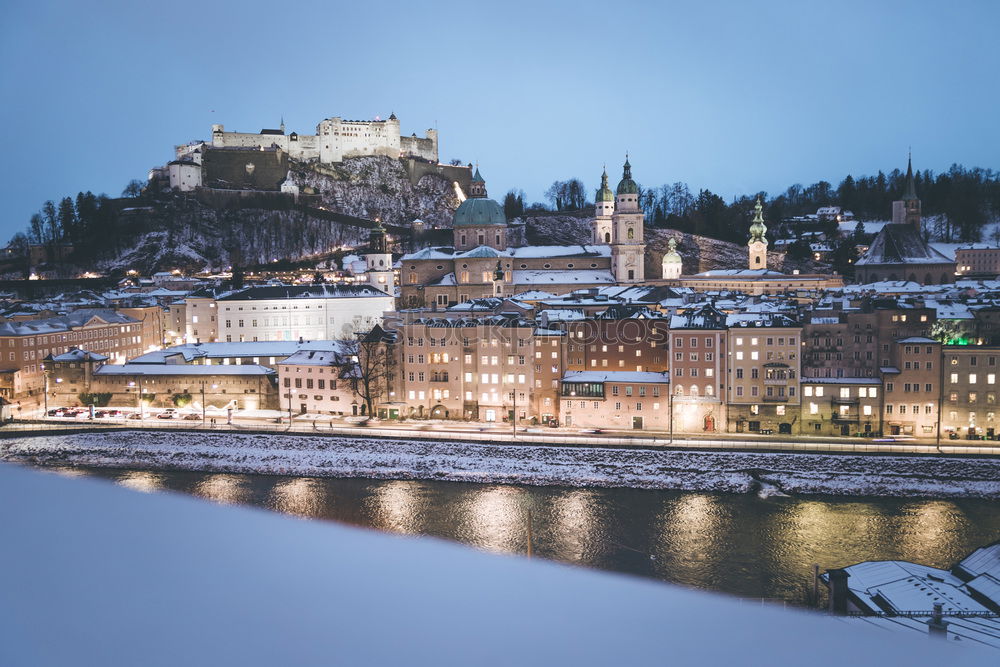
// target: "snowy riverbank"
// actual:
[[315, 456]]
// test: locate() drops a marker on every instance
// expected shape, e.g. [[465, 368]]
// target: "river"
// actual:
[[739, 544]]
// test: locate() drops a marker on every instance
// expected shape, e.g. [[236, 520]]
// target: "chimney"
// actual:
[[937, 627], [838, 591]]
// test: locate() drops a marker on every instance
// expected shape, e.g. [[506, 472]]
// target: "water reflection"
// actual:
[[495, 519], [141, 480], [927, 528], [740, 544], [397, 506], [226, 489], [302, 496], [574, 524]]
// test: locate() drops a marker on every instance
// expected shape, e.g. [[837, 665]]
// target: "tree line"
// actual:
[[962, 201]]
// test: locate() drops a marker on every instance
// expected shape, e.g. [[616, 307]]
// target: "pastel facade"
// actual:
[[616, 400]]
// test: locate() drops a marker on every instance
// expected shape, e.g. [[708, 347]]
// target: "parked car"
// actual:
[[98, 414], [167, 414], [134, 415], [55, 412], [115, 413], [192, 416]]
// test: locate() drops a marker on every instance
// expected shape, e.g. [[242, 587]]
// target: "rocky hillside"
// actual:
[[370, 187], [214, 228], [699, 253]]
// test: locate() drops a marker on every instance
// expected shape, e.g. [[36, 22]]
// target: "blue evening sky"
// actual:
[[733, 96]]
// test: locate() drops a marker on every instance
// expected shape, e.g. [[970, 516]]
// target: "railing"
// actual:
[[775, 399], [840, 400]]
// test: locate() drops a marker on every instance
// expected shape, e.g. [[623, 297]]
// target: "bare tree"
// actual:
[[370, 353]]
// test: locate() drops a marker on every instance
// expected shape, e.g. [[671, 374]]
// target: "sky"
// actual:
[[736, 97]]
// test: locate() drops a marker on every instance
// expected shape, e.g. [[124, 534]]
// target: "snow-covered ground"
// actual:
[[542, 465], [95, 574]]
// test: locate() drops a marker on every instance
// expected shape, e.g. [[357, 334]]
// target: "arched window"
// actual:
[[694, 390], [631, 233], [679, 390], [607, 237], [756, 260], [709, 390], [928, 279]]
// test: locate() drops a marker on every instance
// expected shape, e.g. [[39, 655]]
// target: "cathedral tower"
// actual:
[[604, 208], [758, 240], [907, 210], [628, 249]]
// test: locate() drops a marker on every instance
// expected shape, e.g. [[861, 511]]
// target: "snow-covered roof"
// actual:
[[76, 354], [74, 320], [917, 339], [184, 369], [315, 358], [637, 377], [246, 349], [562, 277], [321, 291]]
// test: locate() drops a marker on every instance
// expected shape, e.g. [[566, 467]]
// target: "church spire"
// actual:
[[910, 193], [604, 193], [758, 229]]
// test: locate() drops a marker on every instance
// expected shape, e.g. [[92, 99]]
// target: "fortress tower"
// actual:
[[758, 242], [628, 248], [604, 208]]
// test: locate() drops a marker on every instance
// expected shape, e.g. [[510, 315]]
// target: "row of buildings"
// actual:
[[579, 336]]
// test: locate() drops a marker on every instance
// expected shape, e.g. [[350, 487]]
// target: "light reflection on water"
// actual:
[[739, 544]]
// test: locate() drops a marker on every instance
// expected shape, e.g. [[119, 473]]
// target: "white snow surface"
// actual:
[[103, 575], [539, 465]]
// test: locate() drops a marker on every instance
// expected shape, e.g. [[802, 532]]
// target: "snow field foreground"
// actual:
[[539, 465]]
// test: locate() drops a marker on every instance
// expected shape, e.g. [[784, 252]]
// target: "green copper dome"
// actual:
[[478, 212], [604, 193], [758, 229], [627, 186]]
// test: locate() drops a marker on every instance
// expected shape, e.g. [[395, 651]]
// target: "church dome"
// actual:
[[604, 193], [477, 212], [627, 186]]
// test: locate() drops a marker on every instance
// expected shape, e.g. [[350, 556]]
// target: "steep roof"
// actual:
[[901, 244]]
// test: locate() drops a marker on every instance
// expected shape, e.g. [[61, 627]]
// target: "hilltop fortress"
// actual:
[[335, 139]]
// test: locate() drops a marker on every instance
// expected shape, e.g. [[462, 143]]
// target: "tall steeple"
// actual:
[[906, 211], [758, 241], [911, 188], [628, 249], [604, 208]]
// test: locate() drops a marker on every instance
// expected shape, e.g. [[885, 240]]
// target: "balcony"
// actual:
[[839, 400], [775, 399], [846, 419], [783, 382]]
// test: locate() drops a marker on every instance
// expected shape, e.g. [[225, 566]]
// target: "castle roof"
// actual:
[[477, 212], [477, 177], [901, 244]]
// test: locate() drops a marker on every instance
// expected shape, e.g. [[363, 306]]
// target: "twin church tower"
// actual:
[[618, 222]]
